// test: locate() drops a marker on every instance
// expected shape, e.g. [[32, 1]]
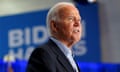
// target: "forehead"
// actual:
[[68, 10]]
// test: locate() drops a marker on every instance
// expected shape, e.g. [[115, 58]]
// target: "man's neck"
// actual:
[[68, 43]]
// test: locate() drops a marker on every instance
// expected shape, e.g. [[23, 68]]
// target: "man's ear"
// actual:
[[53, 26]]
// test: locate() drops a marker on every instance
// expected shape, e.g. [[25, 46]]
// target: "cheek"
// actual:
[[65, 28], [68, 31], [69, 28]]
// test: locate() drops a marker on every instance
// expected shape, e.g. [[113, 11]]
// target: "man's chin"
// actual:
[[75, 41]]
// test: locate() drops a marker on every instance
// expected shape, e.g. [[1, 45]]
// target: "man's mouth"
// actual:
[[76, 30]]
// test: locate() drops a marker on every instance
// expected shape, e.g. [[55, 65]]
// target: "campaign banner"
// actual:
[[21, 33], [88, 49]]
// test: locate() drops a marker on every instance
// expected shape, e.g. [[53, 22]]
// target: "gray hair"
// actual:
[[52, 13]]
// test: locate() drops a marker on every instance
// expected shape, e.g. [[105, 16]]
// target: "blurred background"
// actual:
[[23, 27]]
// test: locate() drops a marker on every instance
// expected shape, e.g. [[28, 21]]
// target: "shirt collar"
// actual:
[[62, 47]]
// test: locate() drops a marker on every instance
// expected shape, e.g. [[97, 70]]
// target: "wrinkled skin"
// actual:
[[67, 28]]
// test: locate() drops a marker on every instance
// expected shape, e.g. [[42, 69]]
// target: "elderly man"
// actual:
[[64, 25]]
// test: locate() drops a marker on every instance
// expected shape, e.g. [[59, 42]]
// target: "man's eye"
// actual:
[[70, 19]]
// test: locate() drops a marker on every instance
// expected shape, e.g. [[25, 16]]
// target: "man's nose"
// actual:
[[77, 23]]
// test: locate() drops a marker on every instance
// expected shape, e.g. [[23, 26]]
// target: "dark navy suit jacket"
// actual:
[[48, 58]]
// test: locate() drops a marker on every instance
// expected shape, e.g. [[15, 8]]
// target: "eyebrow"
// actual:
[[74, 16]]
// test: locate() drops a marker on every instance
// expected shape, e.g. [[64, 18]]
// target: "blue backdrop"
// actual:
[[20, 34]]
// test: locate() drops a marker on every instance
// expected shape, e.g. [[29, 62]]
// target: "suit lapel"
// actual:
[[61, 57], [78, 67], [65, 63]]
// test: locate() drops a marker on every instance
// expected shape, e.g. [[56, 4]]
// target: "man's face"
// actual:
[[69, 24]]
